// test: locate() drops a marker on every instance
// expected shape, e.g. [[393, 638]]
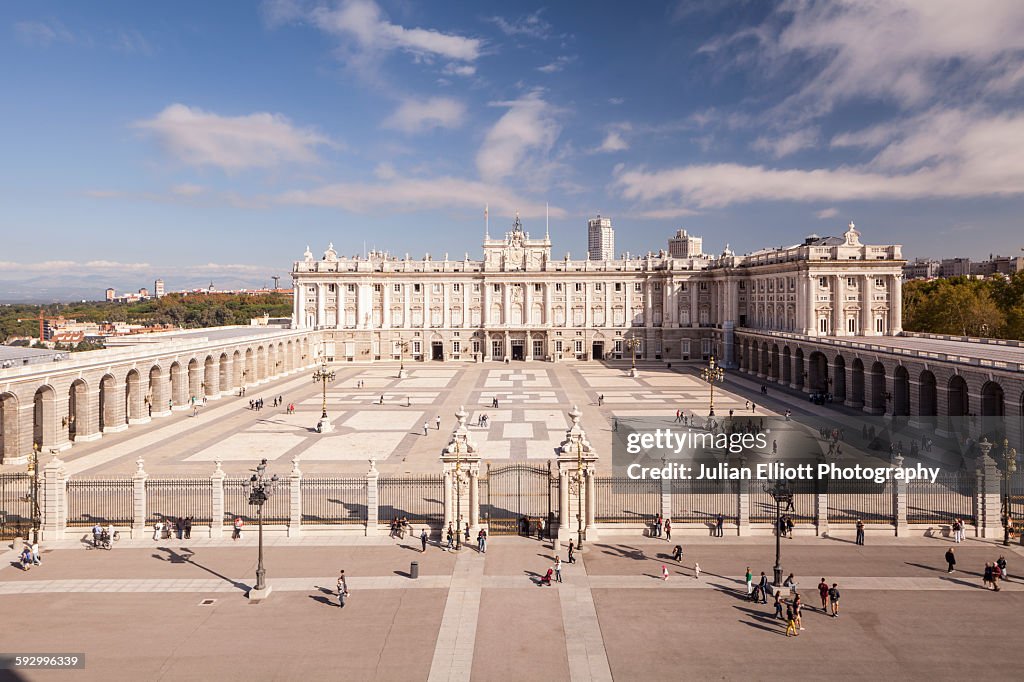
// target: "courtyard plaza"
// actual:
[[176, 609], [529, 423]]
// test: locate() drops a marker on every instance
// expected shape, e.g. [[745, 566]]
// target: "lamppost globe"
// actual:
[[712, 374], [781, 494], [260, 490]]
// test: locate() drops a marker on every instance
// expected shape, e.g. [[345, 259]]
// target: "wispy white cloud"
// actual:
[[455, 69], [613, 142], [528, 129], [44, 33], [258, 140], [558, 64], [529, 26], [787, 144], [364, 22], [826, 213], [415, 194], [616, 100], [414, 116]]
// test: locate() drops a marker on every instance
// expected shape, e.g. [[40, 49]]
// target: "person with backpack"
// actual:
[[762, 585], [823, 593], [833, 597], [950, 560]]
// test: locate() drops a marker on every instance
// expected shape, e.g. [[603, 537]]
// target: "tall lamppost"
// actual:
[[577, 481], [781, 493], [33, 492], [323, 376], [1009, 469], [403, 346], [633, 343], [260, 489], [712, 374]]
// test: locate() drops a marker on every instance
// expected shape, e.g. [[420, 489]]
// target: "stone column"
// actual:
[[564, 513], [461, 458], [426, 314], [591, 499], [485, 307], [743, 504], [372, 500], [217, 501], [838, 300], [694, 307], [54, 504], [547, 304], [449, 503], [588, 316], [87, 427], [666, 498], [139, 499], [573, 449], [989, 516], [895, 305], [321, 304], [899, 500], [295, 499], [385, 320], [866, 323], [474, 497], [506, 301], [406, 298]]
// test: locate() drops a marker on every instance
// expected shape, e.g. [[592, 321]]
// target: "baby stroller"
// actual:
[[546, 578]]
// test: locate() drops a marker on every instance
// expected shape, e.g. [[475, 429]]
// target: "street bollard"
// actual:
[[414, 570]]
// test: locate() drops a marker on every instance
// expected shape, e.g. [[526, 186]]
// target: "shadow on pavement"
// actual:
[[185, 557]]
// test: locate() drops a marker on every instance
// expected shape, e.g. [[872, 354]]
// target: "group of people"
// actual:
[[180, 527], [103, 537], [995, 571], [554, 571], [399, 527], [661, 525], [785, 527], [527, 525], [256, 404], [791, 610], [483, 421], [30, 556]]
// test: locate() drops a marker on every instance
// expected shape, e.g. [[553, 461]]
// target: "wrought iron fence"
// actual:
[[1016, 490], [627, 500], [762, 505], [15, 505], [330, 499], [236, 503], [950, 496], [514, 497], [168, 498], [418, 498], [850, 501], [99, 500], [702, 501]]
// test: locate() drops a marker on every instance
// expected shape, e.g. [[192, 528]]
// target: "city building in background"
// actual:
[[600, 238], [158, 288], [684, 245]]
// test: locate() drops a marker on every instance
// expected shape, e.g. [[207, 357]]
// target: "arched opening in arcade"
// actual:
[[993, 411], [108, 404], [249, 373], [43, 415], [133, 398], [261, 363], [857, 381], [236, 370], [210, 373], [901, 392], [839, 379], [754, 358], [178, 385], [224, 375], [156, 398], [879, 395], [818, 380], [195, 381], [8, 426], [959, 404], [799, 369], [787, 366], [78, 408], [927, 395], [774, 372], [765, 361]]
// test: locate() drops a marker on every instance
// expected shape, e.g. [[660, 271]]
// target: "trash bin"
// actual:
[[414, 570]]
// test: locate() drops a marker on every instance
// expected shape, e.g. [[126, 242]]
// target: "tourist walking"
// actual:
[[823, 593], [481, 541], [988, 578], [833, 598], [668, 530], [450, 536], [719, 522], [950, 560], [342, 589], [188, 527], [423, 540], [798, 612], [237, 534], [1001, 563], [750, 581], [664, 572], [424, 428], [36, 558], [572, 555], [791, 621], [778, 605], [558, 569], [438, 422], [696, 570], [26, 559], [860, 532], [762, 585]]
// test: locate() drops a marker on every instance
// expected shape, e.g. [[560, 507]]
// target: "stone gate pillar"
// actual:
[[372, 500], [742, 504], [295, 499], [460, 460], [990, 523], [577, 476], [217, 501], [139, 499], [899, 500], [54, 507]]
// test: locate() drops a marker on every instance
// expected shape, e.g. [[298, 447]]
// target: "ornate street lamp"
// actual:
[[33, 492], [403, 346], [322, 375], [459, 483], [781, 493], [577, 482], [712, 374], [260, 489], [633, 343], [1009, 469]]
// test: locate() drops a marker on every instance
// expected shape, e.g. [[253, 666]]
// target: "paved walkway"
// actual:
[[453, 653]]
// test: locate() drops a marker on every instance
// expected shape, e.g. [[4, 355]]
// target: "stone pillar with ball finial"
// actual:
[[577, 484], [461, 465]]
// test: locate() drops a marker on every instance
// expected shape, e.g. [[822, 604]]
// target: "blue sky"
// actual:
[[218, 139]]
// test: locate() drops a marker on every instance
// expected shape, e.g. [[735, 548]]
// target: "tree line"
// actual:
[[204, 310], [961, 306]]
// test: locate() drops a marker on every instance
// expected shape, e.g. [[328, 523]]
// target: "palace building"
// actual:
[[520, 303]]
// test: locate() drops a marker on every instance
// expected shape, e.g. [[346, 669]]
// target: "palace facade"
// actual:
[[520, 303]]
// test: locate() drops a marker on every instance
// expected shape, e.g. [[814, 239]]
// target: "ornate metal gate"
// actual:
[[515, 496]]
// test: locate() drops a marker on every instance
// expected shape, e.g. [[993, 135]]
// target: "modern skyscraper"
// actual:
[[600, 238], [685, 246], [158, 288]]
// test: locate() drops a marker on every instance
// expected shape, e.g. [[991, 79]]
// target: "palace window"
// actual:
[[377, 287], [704, 286], [597, 286], [497, 288], [398, 288], [851, 282], [657, 286], [416, 288], [537, 288], [558, 286], [823, 282], [879, 282], [436, 288], [638, 286], [456, 287], [351, 288], [579, 286], [456, 346], [476, 287]]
